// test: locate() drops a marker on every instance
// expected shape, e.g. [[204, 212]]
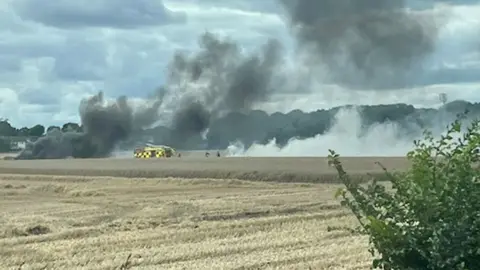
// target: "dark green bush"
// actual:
[[430, 217]]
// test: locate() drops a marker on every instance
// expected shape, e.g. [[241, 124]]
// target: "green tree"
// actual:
[[24, 132], [6, 128], [50, 128], [36, 131], [430, 218], [71, 127]]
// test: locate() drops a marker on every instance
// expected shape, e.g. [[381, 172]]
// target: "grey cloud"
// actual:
[[426, 4], [451, 76], [9, 64], [50, 108], [136, 65], [372, 44], [81, 59], [137, 86], [77, 56], [10, 22], [40, 96], [29, 47], [125, 14], [85, 55], [427, 77], [451, 2], [268, 6]]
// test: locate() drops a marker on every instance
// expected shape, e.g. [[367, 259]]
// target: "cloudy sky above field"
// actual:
[[52, 53]]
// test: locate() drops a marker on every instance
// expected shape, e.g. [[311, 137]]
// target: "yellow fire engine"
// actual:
[[154, 151]]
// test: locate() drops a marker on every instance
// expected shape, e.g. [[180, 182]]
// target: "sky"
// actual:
[[53, 53]]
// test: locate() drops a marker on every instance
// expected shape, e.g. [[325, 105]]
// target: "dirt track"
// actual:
[[260, 169]]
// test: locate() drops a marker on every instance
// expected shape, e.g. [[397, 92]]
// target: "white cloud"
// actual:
[[48, 62], [100, 13]]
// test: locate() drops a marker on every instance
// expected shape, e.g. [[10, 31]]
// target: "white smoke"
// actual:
[[121, 154], [346, 137]]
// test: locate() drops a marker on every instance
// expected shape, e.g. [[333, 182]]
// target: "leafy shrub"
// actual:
[[430, 218]]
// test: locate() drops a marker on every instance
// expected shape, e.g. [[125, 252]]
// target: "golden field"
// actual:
[[178, 214]]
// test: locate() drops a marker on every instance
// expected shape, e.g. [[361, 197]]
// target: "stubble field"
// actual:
[[191, 213]]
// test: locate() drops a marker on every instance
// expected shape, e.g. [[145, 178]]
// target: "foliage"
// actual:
[[36, 131], [430, 219], [5, 145], [50, 128], [6, 129], [257, 126], [23, 132], [71, 127]]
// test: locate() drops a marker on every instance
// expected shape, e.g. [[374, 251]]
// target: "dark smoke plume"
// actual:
[[364, 44], [190, 119], [104, 126], [218, 79]]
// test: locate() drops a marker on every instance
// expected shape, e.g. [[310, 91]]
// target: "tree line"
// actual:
[[10, 136], [258, 126], [7, 130]]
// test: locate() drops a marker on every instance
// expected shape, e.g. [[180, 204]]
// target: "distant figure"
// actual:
[[218, 153], [207, 154], [179, 155]]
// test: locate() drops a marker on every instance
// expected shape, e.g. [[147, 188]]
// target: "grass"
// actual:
[[124, 221]]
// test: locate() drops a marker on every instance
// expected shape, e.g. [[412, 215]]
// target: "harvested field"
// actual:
[[82, 221], [308, 169], [70, 222]]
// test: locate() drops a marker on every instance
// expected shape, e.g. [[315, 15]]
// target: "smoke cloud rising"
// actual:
[[348, 136], [218, 79], [370, 44], [104, 126]]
